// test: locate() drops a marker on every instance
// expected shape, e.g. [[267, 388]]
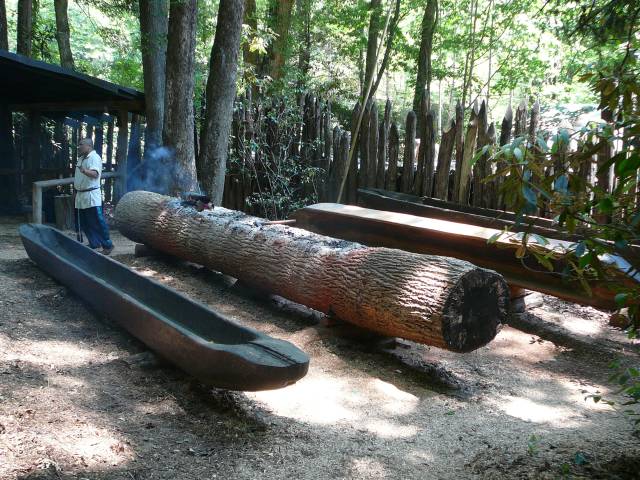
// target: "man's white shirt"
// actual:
[[83, 182]]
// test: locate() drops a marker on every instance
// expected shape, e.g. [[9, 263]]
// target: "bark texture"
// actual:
[[177, 133], [25, 27], [153, 44], [376, 22], [4, 33], [435, 300], [221, 90], [63, 35], [281, 26], [423, 79]]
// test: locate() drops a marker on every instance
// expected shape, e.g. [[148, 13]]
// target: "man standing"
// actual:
[[89, 197]]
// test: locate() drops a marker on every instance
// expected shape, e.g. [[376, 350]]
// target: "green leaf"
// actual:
[[518, 154], [494, 238], [621, 299]]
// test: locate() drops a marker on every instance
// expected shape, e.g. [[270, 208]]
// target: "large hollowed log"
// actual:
[[435, 300]]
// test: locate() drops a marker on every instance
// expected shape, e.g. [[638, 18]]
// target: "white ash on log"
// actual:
[[435, 300]]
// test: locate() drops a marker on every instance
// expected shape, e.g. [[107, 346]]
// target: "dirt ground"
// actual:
[[80, 399]]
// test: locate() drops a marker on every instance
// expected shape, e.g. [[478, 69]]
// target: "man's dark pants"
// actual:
[[94, 227]]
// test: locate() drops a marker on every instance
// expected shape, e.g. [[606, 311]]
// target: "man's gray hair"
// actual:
[[86, 141]]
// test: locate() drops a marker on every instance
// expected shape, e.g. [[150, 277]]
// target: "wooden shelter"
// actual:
[[44, 110]]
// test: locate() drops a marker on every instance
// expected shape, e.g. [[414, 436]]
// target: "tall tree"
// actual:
[[153, 44], [281, 15], [25, 27], [177, 132], [221, 91], [423, 80], [63, 35], [4, 34], [375, 25], [250, 56]]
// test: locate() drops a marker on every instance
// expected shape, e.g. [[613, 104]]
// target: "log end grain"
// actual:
[[475, 309]]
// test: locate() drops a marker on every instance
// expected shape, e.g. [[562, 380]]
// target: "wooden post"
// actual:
[[340, 166], [383, 145], [121, 154], [479, 166], [459, 142], [521, 120], [134, 156], [64, 211], [8, 183], [429, 153], [372, 153], [463, 173], [352, 179], [409, 159], [108, 184], [441, 188], [391, 180], [364, 146], [505, 137]]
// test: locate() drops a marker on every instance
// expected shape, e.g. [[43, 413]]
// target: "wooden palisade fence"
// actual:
[[386, 156]]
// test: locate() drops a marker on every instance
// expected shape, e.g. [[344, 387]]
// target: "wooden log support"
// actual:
[[467, 242], [409, 153], [439, 301]]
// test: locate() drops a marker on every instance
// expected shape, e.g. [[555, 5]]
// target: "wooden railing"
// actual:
[[39, 186]]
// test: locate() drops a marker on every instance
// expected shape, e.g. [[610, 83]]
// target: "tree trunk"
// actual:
[[63, 35], [303, 12], [25, 27], [281, 26], [435, 300], [375, 25], [250, 57], [221, 90], [153, 44], [423, 79], [177, 133], [4, 33]]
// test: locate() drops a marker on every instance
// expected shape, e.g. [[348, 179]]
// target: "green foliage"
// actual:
[[545, 175], [284, 178]]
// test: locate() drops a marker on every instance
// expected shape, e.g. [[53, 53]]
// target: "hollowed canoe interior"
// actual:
[[175, 307]]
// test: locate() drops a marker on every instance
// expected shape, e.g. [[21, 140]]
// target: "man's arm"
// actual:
[[89, 173]]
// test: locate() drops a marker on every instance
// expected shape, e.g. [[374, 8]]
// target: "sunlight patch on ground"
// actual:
[[92, 446], [387, 429], [514, 343], [538, 412], [322, 401], [393, 400], [54, 354], [366, 468], [328, 400]]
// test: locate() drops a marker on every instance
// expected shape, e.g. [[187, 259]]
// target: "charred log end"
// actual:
[[475, 310]]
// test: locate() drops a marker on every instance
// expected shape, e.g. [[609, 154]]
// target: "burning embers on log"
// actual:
[[430, 299], [199, 201]]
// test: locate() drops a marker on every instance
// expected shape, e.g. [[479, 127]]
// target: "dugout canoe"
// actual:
[[379, 199], [190, 335], [463, 241]]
